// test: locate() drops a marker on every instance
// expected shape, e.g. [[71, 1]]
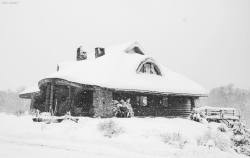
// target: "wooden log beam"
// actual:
[[70, 98], [51, 100], [47, 98]]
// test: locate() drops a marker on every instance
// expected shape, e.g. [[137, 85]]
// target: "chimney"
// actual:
[[81, 54], [99, 52]]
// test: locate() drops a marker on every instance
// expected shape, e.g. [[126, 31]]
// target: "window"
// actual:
[[142, 100], [150, 68], [138, 50], [165, 102]]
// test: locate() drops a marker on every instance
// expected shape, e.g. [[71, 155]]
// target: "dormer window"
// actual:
[[138, 50], [148, 67]]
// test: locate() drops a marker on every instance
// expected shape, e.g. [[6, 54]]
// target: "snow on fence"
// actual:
[[218, 113]]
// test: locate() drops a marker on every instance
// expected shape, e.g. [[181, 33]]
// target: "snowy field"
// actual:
[[108, 138]]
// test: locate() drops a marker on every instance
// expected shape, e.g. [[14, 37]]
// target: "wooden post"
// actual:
[[56, 106], [32, 102], [69, 100], [47, 98], [192, 103], [69, 92], [51, 98]]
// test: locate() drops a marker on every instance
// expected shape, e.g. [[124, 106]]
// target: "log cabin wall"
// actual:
[[179, 106], [152, 107], [158, 105]]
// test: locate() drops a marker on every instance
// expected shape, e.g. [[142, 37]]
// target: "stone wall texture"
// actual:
[[102, 100]]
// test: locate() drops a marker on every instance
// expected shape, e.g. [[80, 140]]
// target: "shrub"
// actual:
[[19, 112], [122, 108], [241, 139], [175, 139], [222, 128], [215, 139], [110, 128], [222, 142]]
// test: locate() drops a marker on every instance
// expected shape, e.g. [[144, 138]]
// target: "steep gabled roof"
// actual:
[[117, 69]]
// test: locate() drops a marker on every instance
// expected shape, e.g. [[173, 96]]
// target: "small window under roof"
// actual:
[[149, 67], [135, 48], [138, 50]]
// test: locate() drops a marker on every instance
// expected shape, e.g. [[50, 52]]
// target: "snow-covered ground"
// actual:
[[107, 138]]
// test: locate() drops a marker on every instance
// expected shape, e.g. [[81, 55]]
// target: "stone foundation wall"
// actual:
[[102, 100]]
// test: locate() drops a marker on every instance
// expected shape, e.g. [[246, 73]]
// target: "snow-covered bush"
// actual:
[[175, 139], [222, 127], [214, 139], [110, 128], [122, 108], [241, 139], [198, 117], [19, 112], [222, 142]]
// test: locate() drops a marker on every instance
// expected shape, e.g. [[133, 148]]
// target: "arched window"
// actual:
[[149, 68]]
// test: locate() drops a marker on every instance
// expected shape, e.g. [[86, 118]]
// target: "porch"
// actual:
[[59, 97]]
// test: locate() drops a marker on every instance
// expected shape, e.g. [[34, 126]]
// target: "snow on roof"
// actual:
[[125, 47], [117, 70], [27, 92]]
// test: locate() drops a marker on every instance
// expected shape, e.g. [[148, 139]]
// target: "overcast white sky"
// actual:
[[206, 40]]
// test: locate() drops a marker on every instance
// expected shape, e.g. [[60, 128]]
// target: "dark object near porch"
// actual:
[[122, 112], [37, 119], [54, 119], [81, 54], [99, 52]]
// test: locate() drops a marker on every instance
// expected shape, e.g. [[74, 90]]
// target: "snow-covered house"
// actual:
[[87, 87]]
